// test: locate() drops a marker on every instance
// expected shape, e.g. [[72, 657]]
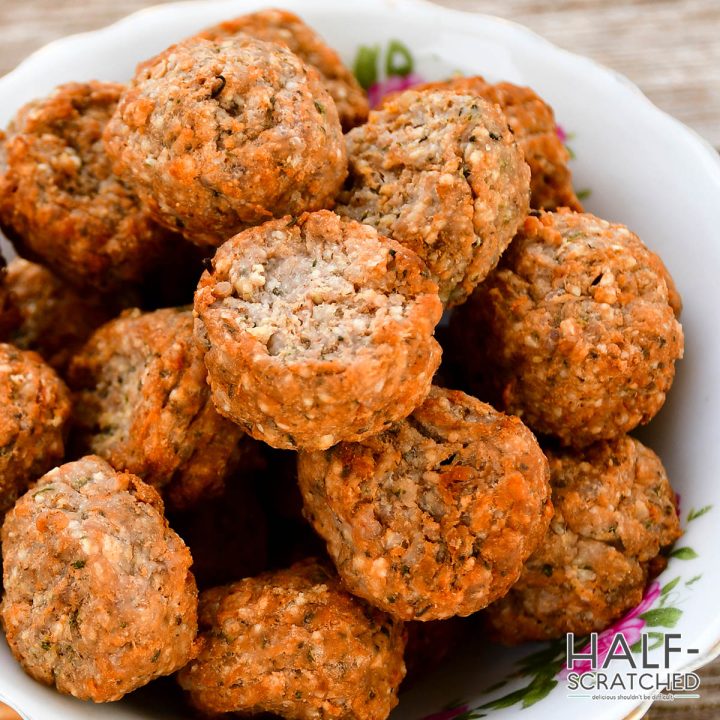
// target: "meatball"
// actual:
[[34, 414], [55, 318], [532, 121], [614, 512], [574, 329], [99, 598], [142, 403], [294, 643], [59, 200], [436, 516], [286, 28], [228, 534], [440, 173], [219, 136], [318, 330]]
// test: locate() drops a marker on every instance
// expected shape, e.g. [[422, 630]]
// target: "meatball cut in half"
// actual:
[[435, 516], [99, 598], [575, 329], [296, 644], [142, 403], [59, 200], [532, 121], [219, 136], [55, 318], [442, 174], [318, 330], [286, 28], [34, 414], [614, 513]]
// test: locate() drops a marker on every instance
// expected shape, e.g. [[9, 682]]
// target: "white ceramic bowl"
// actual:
[[644, 169]]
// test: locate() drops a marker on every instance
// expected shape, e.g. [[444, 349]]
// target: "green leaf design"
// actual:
[[399, 60], [584, 194], [662, 617], [694, 514], [692, 580], [684, 553], [365, 67], [538, 692], [667, 588]]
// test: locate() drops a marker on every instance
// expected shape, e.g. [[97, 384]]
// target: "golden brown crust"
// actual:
[[34, 414], [219, 136], [614, 513], [295, 643], [436, 516], [574, 329], [317, 330], [55, 318], [142, 403], [59, 200], [440, 173], [286, 28], [99, 598], [533, 123]]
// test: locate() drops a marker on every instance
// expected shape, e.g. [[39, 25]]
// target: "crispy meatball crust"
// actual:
[[218, 136], [440, 173], [436, 516], [286, 28], [318, 329], [142, 402], [99, 598], [575, 328], [59, 200], [614, 512], [55, 318], [34, 414], [532, 121], [296, 644]]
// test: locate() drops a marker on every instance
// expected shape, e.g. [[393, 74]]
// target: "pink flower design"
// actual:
[[448, 714], [560, 132], [395, 83], [630, 626]]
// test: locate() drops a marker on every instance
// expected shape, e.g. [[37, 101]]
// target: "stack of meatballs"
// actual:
[[220, 369]]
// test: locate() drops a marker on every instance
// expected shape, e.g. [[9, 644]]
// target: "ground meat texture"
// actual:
[[532, 121], [296, 644], [286, 28], [436, 516], [440, 173], [99, 598], [142, 403], [318, 330], [34, 414], [574, 329], [219, 136], [59, 200], [614, 512], [55, 318]]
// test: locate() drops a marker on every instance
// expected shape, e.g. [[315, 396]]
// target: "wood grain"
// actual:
[[669, 48]]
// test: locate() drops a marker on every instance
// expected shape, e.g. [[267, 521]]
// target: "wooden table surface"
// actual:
[[669, 48]]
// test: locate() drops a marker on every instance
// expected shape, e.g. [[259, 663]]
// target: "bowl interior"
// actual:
[[641, 167]]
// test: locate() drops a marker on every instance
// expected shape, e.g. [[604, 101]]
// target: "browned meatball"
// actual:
[[34, 413], [318, 330], [219, 136], [532, 121], [295, 643], [99, 598], [440, 173], [55, 318], [574, 329], [228, 534], [142, 403], [59, 200], [614, 512], [286, 28], [436, 516]]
